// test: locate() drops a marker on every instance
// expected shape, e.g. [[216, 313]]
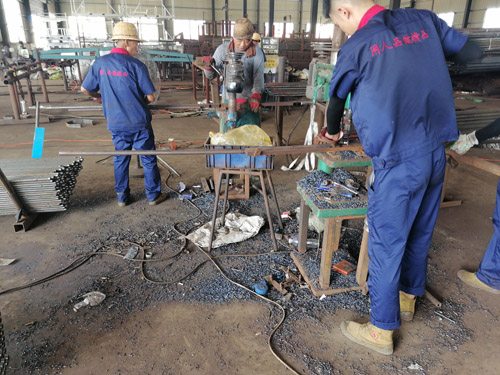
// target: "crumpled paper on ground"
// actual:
[[239, 228]]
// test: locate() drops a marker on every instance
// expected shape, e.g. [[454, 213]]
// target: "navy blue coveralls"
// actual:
[[403, 110], [124, 81], [489, 270]]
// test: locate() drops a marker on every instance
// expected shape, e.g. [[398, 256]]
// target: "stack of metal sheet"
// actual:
[[4, 359], [43, 185]]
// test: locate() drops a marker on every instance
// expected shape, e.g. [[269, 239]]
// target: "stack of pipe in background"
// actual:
[[42, 185]]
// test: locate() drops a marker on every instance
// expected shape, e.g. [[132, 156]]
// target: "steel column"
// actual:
[[258, 15], [3, 25], [468, 7], [301, 5], [271, 18], [314, 17], [394, 4], [226, 16], [245, 12]]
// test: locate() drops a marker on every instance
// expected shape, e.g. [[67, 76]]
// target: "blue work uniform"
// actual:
[[394, 65], [124, 82], [489, 270]]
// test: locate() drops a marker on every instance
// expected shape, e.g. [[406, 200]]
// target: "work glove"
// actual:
[[254, 101], [464, 143], [207, 61]]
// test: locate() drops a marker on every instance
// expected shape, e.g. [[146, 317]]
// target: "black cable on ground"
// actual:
[[268, 300], [212, 259]]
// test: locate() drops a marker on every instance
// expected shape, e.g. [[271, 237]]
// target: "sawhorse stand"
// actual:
[[263, 176]]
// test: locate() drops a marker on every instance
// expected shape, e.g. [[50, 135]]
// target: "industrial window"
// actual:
[[278, 29], [492, 18], [147, 27], [447, 17], [88, 28], [14, 21], [190, 28], [40, 31], [323, 30]]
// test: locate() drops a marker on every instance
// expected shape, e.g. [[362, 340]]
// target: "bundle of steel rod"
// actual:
[[4, 359], [42, 185], [468, 121], [490, 42]]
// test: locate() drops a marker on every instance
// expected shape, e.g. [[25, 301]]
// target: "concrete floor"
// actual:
[[162, 329]]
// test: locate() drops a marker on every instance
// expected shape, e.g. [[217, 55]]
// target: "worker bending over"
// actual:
[[488, 276], [394, 66], [253, 71], [126, 90]]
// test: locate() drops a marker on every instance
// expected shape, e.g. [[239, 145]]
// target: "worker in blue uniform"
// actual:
[[394, 66], [487, 276], [126, 90]]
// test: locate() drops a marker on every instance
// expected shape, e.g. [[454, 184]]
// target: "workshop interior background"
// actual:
[[88, 287]]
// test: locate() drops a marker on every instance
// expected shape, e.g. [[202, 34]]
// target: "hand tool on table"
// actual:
[[325, 185]]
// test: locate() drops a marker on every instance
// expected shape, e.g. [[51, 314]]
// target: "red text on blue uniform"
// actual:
[[397, 42]]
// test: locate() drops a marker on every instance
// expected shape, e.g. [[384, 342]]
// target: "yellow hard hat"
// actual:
[[125, 31], [256, 37]]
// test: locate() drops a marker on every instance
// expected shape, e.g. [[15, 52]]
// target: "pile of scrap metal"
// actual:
[[281, 280]]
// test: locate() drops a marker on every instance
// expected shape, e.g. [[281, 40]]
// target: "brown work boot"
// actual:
[[471, 279], [369, 336], [125, 203], [159, 199], [406, 306]]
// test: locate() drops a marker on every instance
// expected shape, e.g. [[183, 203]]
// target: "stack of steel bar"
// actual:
[[468, 121], [490, 41], [4, 359], [43, 185]]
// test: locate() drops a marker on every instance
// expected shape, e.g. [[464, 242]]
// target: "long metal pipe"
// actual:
[[251, 151], [10, 191]]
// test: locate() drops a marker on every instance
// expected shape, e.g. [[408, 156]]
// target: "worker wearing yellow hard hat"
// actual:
[[256, 38], [126, 89]]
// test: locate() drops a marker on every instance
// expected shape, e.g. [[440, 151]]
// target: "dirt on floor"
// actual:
[[159, 318]]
